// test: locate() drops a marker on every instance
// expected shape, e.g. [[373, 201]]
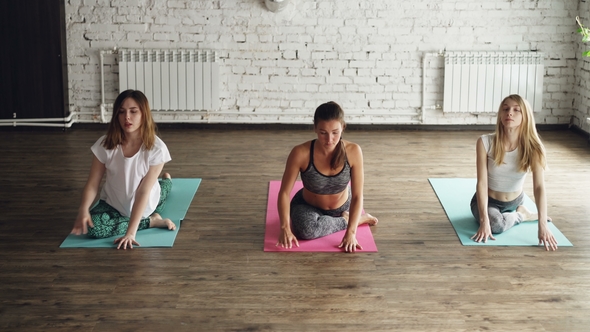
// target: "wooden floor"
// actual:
[[217, 278]]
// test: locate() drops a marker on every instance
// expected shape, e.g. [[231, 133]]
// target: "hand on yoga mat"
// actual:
[[286, 239], [547, 239], [124, 242], [483, 233], [349, 243], [83, 221]]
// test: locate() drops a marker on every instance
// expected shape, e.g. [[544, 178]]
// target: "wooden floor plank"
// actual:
[[217, 278]]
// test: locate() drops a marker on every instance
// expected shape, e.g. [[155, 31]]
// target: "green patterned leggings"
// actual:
[[109, 222]]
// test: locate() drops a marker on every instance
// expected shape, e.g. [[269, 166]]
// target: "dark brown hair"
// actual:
[[115, 134], [327, 112]]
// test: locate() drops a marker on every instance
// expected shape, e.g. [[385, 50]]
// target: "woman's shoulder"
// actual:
[[303, 147], [158, 153], [98, 143], [159, 143], [300, 152], [102, 154], [351, 147], [100, 139], [158, 140], [487, 137]]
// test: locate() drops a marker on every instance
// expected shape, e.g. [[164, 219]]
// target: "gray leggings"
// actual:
[[309, 222], [502, 215]]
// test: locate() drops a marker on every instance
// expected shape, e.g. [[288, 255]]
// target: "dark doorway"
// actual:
[[33, 67]]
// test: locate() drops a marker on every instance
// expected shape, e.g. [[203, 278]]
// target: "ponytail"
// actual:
[[339, 155]]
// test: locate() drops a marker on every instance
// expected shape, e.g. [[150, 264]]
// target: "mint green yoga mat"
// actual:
[[177, 204], [455, 196]]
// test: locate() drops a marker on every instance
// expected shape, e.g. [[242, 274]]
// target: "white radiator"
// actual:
[[172, 80], [476, 82]]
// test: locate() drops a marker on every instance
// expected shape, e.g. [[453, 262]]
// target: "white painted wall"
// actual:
[[365, 55]]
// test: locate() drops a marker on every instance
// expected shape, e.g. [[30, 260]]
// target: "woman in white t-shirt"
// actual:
[[503, 160], [132, 157]]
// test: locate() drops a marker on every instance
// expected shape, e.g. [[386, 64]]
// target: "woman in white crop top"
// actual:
[[132, 157], [503, 160]]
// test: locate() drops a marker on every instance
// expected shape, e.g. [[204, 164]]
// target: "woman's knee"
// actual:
[[94, 233], [102, 226], [165, 186], [497, 226], [304, 229], [305, 234], [303, 224]]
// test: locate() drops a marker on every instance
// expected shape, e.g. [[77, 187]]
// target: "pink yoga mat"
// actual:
[[324, 244]]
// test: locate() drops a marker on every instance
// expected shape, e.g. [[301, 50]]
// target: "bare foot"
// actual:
[[528, 215], [156, 221], [365, 219], [368, 219]]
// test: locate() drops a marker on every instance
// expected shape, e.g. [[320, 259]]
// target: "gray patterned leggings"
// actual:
[[309, 222], [109, 222], [502, 215]]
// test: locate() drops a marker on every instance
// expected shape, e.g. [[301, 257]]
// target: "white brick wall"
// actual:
[[366, 55]]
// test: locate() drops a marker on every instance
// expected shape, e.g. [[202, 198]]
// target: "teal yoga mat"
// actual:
[[455, 195], [177, 204]]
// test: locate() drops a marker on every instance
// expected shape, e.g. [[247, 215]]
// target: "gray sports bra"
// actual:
[[321, 184]]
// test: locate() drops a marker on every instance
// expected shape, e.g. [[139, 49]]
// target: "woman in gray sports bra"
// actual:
[[326, 204]]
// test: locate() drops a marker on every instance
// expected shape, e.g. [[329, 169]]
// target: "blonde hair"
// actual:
[[530, 148], [115, 134]]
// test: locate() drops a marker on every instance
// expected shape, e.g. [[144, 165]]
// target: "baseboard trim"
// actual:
[[580, 131], [281, 126]]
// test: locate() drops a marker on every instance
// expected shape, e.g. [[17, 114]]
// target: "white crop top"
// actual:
[[506, 177]]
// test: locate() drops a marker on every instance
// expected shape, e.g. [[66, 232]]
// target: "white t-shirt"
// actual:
[[123, 175], [504, 178]]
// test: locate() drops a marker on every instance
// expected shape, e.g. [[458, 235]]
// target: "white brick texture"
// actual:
[[366, 55]]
